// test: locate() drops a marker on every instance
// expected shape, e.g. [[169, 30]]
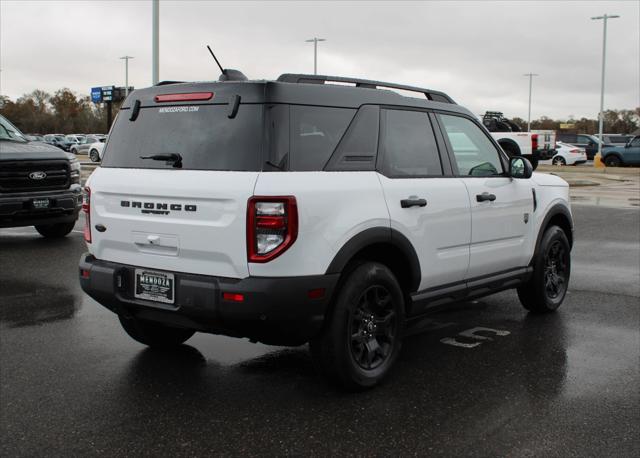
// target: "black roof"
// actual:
[[305, 90]]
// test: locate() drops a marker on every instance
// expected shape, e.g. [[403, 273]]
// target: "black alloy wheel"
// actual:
[[546, 289], [373, 328], [362, 334], [555, 270]]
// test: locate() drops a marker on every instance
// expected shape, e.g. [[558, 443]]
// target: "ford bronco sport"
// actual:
[[296, 211], [39, 184]]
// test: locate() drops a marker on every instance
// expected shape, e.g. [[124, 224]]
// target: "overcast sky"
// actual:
[[477, 52]]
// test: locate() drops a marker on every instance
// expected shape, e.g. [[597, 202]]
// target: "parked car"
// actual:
[[532, 145], [39, 184], [628, 154], [34, 137], [329, 214], [588, 142], [84, 145], [96, 149], [616, 139], [58, 140], [568, 155]]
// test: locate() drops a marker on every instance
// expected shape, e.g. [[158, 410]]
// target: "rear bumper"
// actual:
[[275, 310], [16, 209]]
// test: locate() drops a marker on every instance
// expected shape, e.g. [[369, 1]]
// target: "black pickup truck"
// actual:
[[39, 184]]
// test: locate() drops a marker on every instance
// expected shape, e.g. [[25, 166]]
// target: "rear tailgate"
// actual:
[[186, 214], [176, 220]]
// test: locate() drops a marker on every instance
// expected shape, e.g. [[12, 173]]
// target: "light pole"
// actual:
[[604, 55], [126, 74], [315, 52], [155, 52], [530, 75]]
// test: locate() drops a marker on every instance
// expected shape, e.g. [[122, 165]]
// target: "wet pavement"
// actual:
[[566, 384]]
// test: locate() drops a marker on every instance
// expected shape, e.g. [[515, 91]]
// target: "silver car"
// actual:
[[84, 145]]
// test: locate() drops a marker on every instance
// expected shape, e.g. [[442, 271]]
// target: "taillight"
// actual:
[[534, 142], [272, 226], [86, 209]]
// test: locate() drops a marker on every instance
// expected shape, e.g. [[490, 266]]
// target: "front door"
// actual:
[[501, 207]]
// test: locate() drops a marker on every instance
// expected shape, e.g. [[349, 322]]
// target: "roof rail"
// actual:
[[436, 96]]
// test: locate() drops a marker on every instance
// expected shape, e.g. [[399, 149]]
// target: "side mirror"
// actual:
[[520, 167]]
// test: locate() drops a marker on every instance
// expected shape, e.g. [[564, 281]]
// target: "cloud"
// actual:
[[475, 51]]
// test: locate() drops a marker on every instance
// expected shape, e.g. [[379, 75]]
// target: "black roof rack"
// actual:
[[436, 96]]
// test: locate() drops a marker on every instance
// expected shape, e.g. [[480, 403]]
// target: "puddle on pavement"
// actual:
[[629, 202], [28, 304]]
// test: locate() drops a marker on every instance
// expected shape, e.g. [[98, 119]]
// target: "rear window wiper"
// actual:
[[173, 159]]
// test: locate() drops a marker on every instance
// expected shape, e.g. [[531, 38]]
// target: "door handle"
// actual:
[[406, 203], [485, 196]]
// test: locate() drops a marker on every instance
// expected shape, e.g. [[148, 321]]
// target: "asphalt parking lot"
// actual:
[[73, 384]]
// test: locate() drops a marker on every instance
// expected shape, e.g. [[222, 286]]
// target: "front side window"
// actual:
[[635, 141], [474, 153], [408, 145]]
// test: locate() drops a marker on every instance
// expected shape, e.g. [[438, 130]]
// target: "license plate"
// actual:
[[40, 203], [155, 286]]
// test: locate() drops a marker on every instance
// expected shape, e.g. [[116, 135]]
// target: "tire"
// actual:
[[363, 334], [94, 156], [511, 150], [612, 161], [73, 151], [547, 287], [153, 334], [55, 231], [559, 160]]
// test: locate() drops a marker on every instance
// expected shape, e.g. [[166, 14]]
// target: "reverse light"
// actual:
[[86, 209], [272, 226], [183, 97]]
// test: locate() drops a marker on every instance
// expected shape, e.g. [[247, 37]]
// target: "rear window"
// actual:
[[204, 135]]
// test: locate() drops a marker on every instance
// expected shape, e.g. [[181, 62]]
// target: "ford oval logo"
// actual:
[[37, 175]]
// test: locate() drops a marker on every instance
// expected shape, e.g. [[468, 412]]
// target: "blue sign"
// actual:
[[96, 94], [102, 94]]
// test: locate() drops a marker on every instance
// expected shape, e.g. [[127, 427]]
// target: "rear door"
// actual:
[[501, 207], [187, 217], [431, 210]]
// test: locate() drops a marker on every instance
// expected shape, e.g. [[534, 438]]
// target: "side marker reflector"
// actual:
[[233, 297]]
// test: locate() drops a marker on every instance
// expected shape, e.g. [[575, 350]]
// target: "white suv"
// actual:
[[296, 211]]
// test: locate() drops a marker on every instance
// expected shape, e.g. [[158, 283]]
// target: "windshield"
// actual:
[[10, 132]]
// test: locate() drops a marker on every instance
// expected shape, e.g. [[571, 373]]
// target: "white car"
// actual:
[[567, 154], [95, 151], [288, 212]]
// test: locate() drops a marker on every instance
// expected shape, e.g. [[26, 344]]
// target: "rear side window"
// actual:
[[203, 135], [408, 145], [359, 145], [314, 134]]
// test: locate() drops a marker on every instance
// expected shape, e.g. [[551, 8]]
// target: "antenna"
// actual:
[[216, 59]]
